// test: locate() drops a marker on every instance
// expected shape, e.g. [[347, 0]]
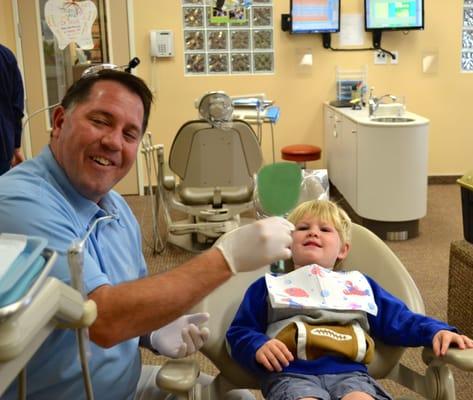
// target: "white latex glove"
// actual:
[[258, 244], [181, 337]]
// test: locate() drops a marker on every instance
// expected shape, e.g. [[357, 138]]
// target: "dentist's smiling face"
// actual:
[[316, 242], [96, 141]]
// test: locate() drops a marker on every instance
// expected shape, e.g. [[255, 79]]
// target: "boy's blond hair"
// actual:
[[326, 211]]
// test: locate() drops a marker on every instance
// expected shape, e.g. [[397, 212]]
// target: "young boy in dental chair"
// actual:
[[311, 341]]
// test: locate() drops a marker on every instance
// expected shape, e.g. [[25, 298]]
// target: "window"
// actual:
[[232, 40], [467, 37]]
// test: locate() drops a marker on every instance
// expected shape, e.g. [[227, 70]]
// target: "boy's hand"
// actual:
[[442, 340], [274, 355]]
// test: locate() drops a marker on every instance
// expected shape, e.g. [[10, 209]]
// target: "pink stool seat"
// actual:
[[301, 153]]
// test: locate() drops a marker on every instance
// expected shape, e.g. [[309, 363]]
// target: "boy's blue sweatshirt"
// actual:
[[394, 325]]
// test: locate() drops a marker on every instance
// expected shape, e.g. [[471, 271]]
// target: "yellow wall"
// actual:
[[7, 33], [443, 97]]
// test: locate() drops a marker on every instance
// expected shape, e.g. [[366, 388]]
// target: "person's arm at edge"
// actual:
[[135, 308]]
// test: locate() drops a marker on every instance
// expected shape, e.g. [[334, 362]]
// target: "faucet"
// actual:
[[374, 102]]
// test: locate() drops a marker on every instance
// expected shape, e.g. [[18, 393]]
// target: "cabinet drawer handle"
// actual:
[[353, 131]]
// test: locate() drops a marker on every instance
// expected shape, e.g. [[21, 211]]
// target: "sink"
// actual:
[[392, 119]]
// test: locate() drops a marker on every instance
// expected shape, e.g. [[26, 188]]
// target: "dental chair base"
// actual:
[[196, 236]]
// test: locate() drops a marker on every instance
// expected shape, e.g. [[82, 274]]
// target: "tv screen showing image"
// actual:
[[315, 16], [394, 14]]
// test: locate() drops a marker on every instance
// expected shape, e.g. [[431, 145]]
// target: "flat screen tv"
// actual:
[[315, 16], [394, 15]]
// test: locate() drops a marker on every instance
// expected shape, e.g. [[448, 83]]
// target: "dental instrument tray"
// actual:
[[24, 276], [251, 102]]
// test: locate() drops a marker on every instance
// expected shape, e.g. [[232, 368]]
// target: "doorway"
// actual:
[[49, 71]]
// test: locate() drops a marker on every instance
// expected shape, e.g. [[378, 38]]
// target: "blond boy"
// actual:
[[266, 338]]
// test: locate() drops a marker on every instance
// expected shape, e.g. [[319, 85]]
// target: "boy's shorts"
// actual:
[[288, 386]]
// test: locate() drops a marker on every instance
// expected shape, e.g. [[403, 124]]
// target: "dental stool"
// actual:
[[301, 153]]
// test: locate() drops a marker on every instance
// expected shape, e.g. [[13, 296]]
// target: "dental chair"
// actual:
[[210, 174], [370, 255]]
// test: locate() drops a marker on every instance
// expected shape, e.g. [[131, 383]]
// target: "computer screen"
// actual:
[[394, 14], [315, 16]]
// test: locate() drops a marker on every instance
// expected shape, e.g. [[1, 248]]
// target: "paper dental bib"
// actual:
[[315, 287]]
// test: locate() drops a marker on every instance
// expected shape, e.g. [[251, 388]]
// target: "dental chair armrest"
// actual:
[[462, 359], [169, 182], [165, 175], [178, 376]]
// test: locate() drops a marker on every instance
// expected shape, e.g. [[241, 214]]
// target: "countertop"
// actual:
[[361, 117]]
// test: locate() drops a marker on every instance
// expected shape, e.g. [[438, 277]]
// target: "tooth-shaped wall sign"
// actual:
[[71, 21]]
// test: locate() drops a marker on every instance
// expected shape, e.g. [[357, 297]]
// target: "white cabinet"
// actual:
[[379, 168], [340, 142]]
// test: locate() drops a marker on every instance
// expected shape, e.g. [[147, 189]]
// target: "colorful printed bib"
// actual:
[[315, 287]]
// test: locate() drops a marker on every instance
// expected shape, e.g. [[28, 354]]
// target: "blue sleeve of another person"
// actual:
[[11, 103]]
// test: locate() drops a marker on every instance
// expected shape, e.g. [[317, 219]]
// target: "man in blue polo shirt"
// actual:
[[57, 195]]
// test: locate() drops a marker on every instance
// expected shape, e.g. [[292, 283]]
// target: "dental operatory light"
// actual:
[[216, 108], [134, 62]]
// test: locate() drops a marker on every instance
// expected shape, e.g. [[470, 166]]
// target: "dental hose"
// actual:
[[83, 338], [75, 257]]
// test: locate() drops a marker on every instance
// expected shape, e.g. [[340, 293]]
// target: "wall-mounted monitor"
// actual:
[[315, 16], [394, 14]]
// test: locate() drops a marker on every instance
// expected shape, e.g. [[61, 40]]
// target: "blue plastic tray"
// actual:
[[272, 113], [23, 272]]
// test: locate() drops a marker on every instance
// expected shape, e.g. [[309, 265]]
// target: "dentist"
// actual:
[[94, 142]]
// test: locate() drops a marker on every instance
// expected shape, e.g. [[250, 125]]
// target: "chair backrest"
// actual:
[[204, 156], [222, 304], [368, 254]]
